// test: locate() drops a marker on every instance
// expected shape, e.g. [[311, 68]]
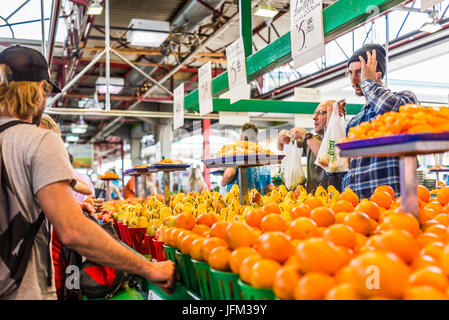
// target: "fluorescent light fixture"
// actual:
[[430, 27], [266, 11], [157, 32], [115, 85], [71, 138], [79, 128], [95, 8]]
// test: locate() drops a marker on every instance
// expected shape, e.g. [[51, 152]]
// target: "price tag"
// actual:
[[233, 118], [178, 107], [153, 296], [426, 4], [238, 83], [306, 31], [205, 89]]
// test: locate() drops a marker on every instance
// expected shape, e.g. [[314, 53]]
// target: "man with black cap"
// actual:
[[366, 69], [35, 190]]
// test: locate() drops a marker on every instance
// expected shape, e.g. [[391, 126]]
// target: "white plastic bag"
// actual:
[[291, 166], [329, 154]]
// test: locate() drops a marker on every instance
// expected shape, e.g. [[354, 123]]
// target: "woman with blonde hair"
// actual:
[[196, 181]]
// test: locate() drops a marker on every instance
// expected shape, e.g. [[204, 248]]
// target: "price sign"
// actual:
[[306, 31], [233, 118], [153, 296], [426, 4], [205, 89], [238, 83], [178, 107]]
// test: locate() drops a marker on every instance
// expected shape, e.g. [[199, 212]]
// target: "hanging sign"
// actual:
[[178, 107], [426, 4], [205, 89], [238, 83], [306, 31]]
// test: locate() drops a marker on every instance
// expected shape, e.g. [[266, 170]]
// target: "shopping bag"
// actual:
[[291, 166], [328, 156]]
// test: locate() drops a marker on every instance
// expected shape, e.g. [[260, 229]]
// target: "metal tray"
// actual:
[[170, 166], [246, 160]]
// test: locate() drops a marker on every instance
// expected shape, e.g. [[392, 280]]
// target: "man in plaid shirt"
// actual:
[[366, 68]]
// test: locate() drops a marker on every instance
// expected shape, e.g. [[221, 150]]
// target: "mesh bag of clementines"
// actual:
[[295, 245]]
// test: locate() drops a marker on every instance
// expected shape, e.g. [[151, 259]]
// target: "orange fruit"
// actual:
[[275, 245], [200, 229], [292, 261], [434, 205], [443, 195], [382, 199], [166, 235], [437, 229], [425, 215], [218, 229], [343, 291], [246, 266], [344, 275], [271, 208], [263, 273], [219, 258], [322, 216], [399, 242], [340, 217], [285, 282], [442, 218], [186, 243], [341, 235], [423, 261], [379, 273], [180, 237], [387, 189], [211, 243], [342, 206], [313, 286], [273, 222], [402, 220], [423, 193], [368, 207], [429, 276], [174, 236], [444, 260], [207, 219], [185, 220], [253, 217], [239, 234], [426, 238], [424, 293], [434, 249], [317, 254], [359, 222], [301, 210], [361, 240], [350, 196], [195, 249], [302, 228], [238, 255], [314, 203]]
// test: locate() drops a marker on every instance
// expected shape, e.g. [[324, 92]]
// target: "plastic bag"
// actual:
[[328, 156], [291, 166]]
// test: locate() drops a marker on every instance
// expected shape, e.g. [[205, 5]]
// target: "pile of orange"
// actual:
[[410, 119], [347, 249]]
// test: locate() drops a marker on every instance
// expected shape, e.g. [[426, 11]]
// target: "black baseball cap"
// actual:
[[26, 64]]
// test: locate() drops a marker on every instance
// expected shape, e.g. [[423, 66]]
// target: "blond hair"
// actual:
[[49, 123], [21, 99]]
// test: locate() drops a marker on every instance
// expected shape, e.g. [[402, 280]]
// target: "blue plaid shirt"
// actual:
[[365, 174]]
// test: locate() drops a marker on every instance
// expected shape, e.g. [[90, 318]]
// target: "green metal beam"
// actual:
[[246, 29], [340, 17], [271, 106]]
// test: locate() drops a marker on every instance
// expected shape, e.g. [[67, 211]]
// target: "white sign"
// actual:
[[304, 120], [178, 107], [205, 89], [238, 83], [306, 31], [153, 296], [233, 118], [307, 94], [426, 4]]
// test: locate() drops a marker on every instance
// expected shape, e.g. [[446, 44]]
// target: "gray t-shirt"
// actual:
[[34, 158]]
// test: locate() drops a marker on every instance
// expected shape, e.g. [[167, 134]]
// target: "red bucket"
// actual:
[[124, 233], [136, 240], [149, 245], [119, 232], [116, 227], [159, 251]]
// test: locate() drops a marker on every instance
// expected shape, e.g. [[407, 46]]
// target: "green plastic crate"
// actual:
[[207, 288], [185, 266], [170, 251], [250, 293], [226, 284]]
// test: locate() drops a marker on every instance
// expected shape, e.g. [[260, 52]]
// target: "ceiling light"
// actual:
[[95, 8], [71, 138], [266, 11], [430, 27], [115, 85], [147, 33], [79, 128]]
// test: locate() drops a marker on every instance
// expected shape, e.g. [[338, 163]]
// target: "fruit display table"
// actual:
[[406, 147], [108, 186], [166, 169], [438, 171], [243, 162], [136, 173]]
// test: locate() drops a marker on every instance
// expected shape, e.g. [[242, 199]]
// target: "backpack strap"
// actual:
[[9, 124]]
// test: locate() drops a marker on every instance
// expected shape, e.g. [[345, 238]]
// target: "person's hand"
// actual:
[[164, 274], [369, 67], [98, 204], [87, 207], [341, 107], [90, 200], [284, 137], [298, 133]]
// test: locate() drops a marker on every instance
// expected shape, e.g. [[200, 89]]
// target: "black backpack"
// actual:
[[16, 233]]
